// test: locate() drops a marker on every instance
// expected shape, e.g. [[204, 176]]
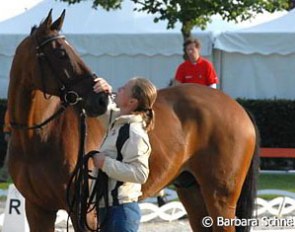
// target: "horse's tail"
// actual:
[[245, 206]]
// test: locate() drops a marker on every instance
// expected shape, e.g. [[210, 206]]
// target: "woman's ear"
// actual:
[[133, 103]]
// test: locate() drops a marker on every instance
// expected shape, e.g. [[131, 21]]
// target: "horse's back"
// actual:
[[205, 109]]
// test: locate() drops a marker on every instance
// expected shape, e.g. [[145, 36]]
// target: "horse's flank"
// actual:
[[189, 121]]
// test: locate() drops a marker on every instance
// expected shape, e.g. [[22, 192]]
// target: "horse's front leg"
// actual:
[[39, 219]]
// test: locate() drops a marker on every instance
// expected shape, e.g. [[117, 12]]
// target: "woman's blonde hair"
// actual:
[[146, 93]]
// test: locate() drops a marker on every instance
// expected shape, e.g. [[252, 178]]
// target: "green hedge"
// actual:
[[275, 120]]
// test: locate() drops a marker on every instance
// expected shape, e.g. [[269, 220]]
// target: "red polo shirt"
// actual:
[[202, 72]]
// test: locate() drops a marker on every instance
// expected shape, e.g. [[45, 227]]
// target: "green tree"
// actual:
[[197, 13]]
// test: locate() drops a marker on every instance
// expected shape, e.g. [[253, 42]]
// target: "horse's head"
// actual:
[[46, 61]]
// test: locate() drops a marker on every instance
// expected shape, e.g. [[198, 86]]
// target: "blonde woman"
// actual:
[[128, 168]]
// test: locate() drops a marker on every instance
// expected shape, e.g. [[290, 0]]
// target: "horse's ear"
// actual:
[[57, 25], [48, 20]]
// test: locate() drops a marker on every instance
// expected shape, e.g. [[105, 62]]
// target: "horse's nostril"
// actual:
[[96, 104], [102, 102]]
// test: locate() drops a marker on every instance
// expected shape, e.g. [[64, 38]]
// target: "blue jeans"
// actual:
[[120, 218]]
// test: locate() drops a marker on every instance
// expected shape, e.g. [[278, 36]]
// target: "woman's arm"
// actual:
[[134, 166]]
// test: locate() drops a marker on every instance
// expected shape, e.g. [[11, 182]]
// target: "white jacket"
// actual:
[[133, 170]]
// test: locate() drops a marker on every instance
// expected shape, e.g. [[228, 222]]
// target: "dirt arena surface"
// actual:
[[161, 226], [182, 226], [153, 226]]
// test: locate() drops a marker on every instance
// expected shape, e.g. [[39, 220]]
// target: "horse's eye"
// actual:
[[60, 53]]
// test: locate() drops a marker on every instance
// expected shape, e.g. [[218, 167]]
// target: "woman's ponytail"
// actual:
[[146, 93]]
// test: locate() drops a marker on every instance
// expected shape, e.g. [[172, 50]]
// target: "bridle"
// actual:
[[65, 82], [66, 95]]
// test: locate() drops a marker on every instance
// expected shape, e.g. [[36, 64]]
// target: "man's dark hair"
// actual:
[[192, 40]]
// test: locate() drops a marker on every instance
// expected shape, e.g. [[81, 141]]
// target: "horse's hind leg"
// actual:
[[40, 220], [221, 208], [193, 202]]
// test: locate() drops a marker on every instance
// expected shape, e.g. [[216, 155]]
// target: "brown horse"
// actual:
[[204, 142], [48, 85], [207, 145]]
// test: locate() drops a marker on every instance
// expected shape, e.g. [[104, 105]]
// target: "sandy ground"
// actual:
[[153, 226]]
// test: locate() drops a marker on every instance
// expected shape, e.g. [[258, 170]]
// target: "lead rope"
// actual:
[[76, 179], [82, 202]]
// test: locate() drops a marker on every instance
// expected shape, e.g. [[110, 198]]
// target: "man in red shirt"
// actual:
[[195, 69]]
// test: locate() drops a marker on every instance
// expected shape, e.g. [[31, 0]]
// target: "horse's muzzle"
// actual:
[[96, 104]]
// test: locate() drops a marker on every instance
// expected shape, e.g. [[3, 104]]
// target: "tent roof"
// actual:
[[283, 24], [11, 8], [96, 32], [82, 18], [274, 37]]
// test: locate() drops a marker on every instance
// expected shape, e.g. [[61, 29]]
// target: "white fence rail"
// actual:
[[282, 205]]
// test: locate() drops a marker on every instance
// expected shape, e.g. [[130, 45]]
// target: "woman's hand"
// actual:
[[101, 85], [98, 160]]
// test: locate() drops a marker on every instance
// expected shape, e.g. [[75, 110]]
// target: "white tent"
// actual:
[[116, 45], [258, 62], [12, 8]]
